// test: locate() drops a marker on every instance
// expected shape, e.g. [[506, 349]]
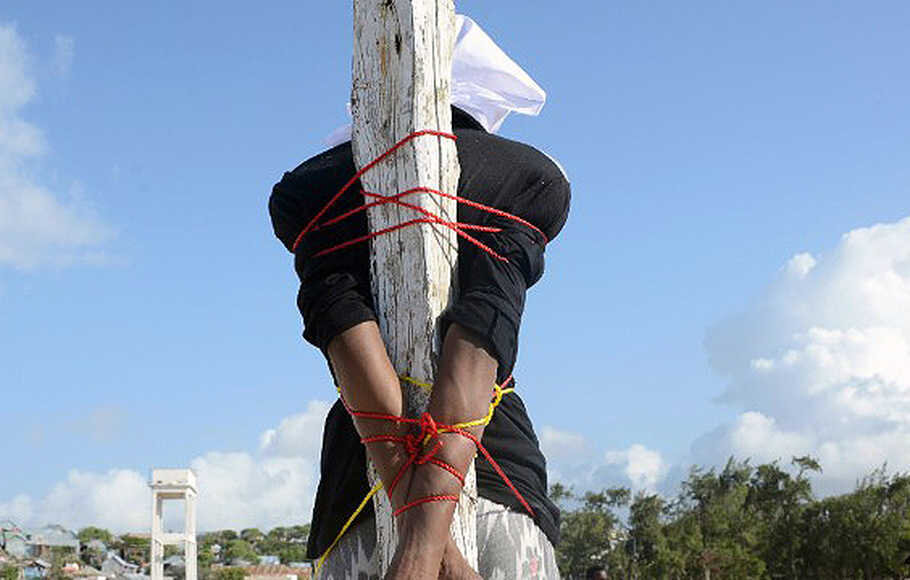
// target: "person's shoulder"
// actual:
[[330, 162], [539, 192], [536, 163], [304, 189], [317, 176]]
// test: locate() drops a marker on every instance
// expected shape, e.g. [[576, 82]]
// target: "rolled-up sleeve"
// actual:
[[492, 294], [333, 297], [334, 293]]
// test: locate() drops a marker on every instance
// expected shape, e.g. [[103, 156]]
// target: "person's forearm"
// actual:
[[369, 383], [461, 393]]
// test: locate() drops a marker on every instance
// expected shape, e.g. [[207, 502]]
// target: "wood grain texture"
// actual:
[[401, 83]]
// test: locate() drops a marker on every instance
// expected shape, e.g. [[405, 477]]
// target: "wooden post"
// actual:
[[401, 76]]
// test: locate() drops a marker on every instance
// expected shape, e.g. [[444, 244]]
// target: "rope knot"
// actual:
[[416, 444]]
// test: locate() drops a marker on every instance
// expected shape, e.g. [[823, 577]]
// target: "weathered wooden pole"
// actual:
[[401, 76]]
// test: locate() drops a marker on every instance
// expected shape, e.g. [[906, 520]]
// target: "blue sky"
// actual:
[[147, 313]]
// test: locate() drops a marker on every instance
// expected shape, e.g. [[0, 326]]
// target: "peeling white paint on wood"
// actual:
[[401, 75]]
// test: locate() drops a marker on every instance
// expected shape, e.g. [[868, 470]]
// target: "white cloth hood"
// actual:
[[486, 83]]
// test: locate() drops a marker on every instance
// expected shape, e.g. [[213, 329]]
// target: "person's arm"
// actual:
[[462, 392], [369, 383], [462, 389]]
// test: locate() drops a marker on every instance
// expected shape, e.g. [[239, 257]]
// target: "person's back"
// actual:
[[523, 198], [335, 294]]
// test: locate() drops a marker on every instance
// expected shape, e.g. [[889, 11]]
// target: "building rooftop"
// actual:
[[173, 478]]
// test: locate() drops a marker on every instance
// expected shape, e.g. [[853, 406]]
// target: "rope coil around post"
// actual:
[[428, 428]]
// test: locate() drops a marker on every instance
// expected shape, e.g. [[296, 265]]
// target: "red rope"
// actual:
[[423, 500], [427, 428], [418, 454], [429, 217], [309, 227]]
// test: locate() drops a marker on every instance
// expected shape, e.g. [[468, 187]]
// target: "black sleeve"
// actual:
[[492, 293], [334, 292], [333, 297]]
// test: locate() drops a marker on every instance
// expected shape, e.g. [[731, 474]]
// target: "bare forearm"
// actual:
[[369, 383], [461, 393]]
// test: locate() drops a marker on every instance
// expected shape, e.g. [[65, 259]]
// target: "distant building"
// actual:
[[18, 547], [96, 545], [276, 573], [86, 573], [174, 562], [47, 541], [269, 560], [37, 568], [13, 540], [114, 565], [306, 565]]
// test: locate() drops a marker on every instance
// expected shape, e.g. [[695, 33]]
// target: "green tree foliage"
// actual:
[[9, 572], [229, 574], [134, 548], [251, 535], [863, 534], [241, 550], [587, 533], [90, 533], [94, 556], [741, 522]]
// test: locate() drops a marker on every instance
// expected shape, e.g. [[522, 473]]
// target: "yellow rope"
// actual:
[[347, 525], [497, 398], [425, 386]]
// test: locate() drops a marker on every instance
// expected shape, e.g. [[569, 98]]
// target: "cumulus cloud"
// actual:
[[573, 460], [37, 226], [272, 486], [820, 362], [560, 445], [643, 467]]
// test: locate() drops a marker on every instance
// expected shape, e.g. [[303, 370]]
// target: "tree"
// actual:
[[587, 533], [251, 535], [229, 574], [864, 533], [779, 501], [292, 553], [728, 531], [90, 533], [134, 548], [240, 550], [9, 572], [298, 534], [746, 522], [652, 552]]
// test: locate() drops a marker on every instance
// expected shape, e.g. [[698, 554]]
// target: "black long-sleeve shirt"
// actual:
[[335, 295]]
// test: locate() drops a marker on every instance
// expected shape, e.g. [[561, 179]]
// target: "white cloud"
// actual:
[[558, 445], [573, 460], [293, 436], [643, 467], [273, 486], [820, 363], [37, 226]]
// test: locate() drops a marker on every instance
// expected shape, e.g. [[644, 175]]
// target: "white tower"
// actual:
[[173, 484]]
